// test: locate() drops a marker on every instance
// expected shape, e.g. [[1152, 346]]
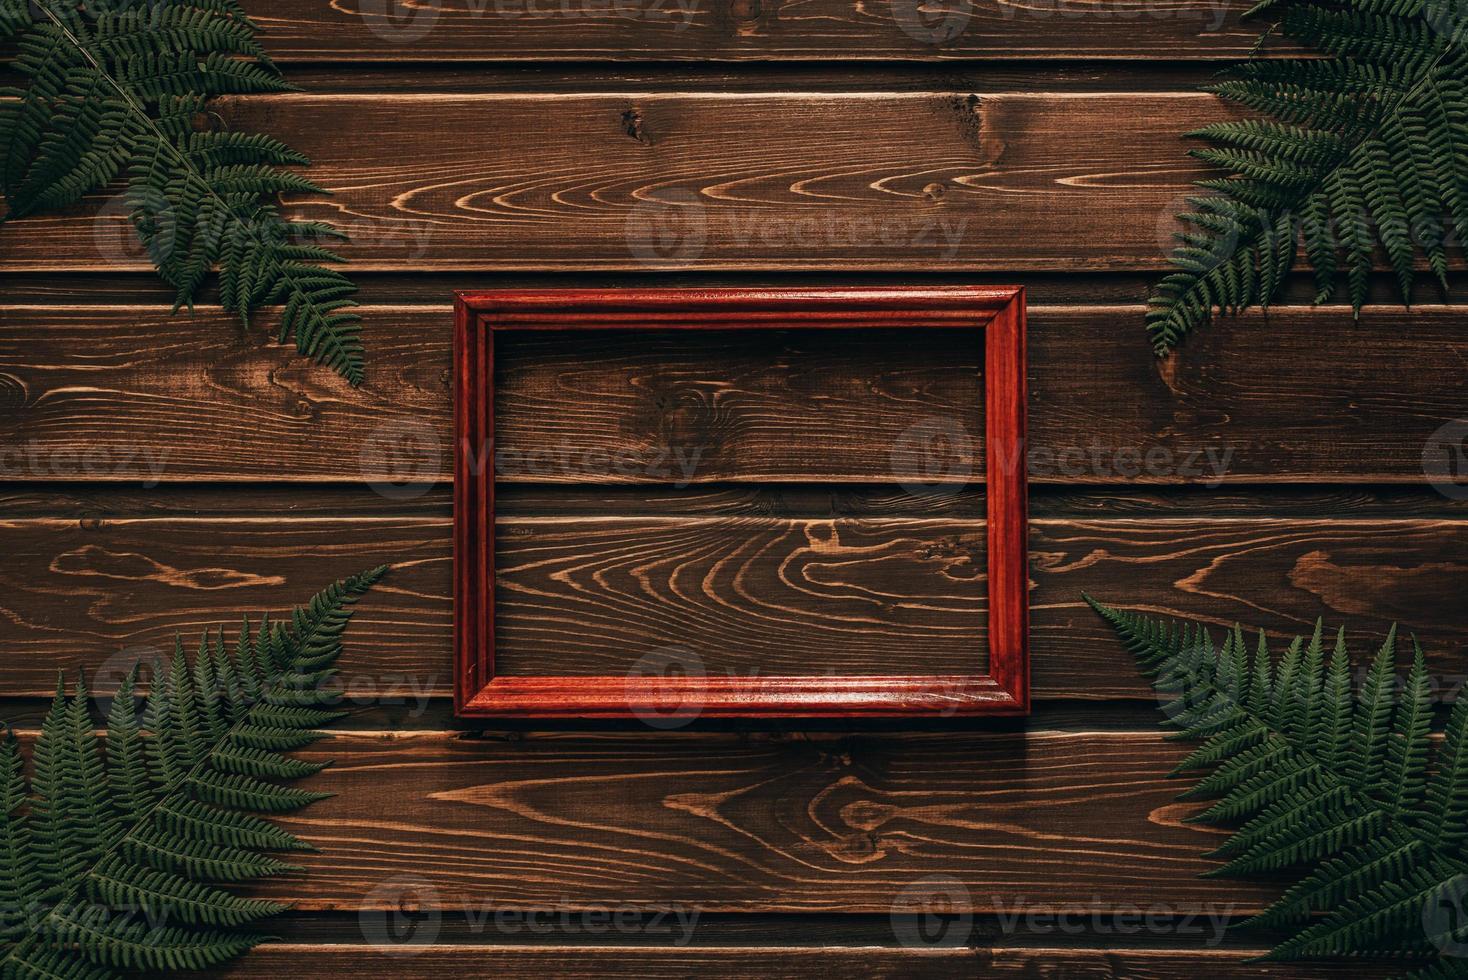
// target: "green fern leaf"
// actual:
[[1446, 819], [1361, 150], [114, 93], [1335, 786], [118, 861], [20, 878]]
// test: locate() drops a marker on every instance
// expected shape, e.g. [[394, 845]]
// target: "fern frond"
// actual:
[[1340, 787], [20, 878], [115, 93], [1361, 151], [1404, 779], [120, 862], [1446, 818]]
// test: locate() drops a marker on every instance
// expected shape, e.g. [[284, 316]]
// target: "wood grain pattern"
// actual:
[[744, 822], [81, 501], [165, 398], [443, 962], [446, 962], [661, 30], [760, 406], [80, 593], [179, 398], [842, 181], [1001, 825], [744, 597]]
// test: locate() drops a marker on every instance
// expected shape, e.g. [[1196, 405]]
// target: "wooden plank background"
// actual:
[[164, 473]]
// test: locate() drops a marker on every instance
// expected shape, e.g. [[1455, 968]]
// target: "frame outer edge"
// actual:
[[1006, 404]]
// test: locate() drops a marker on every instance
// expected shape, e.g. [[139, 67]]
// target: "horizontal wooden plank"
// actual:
[[450, 962], [743, 822], [1157, 964], [754, 406], [663, 30], [431, 960], [639, 181], [1057, 288], [80, 501], [740, 597], [1005, 825], [436, 714], [1259, 400], [979, 77], [98, 592]]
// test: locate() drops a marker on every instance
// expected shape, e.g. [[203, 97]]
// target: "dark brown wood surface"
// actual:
[[752, 406], [1302, 396], [436, 961], [531, 30], [162, 474], [748, 822], [851, 181], [441, 962], [98, 591]]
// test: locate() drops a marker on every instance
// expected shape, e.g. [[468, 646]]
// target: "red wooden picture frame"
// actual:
[[997, 311]]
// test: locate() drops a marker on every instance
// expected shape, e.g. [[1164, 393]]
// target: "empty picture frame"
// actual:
[[995, 316]]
